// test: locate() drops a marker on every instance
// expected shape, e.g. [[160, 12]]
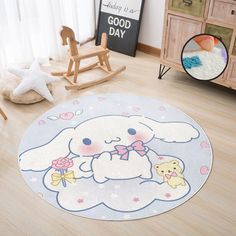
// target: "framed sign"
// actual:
[[120, 19]]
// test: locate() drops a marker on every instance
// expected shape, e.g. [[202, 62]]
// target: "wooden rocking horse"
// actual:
[[75, 57]]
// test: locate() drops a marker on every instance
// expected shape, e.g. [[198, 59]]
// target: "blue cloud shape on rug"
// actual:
[[117, 195]]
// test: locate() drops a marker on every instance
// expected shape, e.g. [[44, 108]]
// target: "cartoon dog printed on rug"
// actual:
[[108, 147], [171, 173]]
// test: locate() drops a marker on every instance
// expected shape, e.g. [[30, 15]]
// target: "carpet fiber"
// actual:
[[209, 64], [115, 157]]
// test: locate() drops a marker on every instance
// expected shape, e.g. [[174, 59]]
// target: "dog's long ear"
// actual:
[[169, 131], [40, 158]]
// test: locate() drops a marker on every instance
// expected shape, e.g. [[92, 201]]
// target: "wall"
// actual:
[[97, 3], [152, 22]]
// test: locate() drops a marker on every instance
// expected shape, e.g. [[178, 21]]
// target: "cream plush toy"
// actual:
[[29, 97], [171, 173], [30, 86]]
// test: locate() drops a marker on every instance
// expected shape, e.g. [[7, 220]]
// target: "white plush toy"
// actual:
[[33, 79], [108, 147]]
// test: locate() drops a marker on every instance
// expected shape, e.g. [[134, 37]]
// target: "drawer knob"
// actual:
[[187, 2], [233, 12]]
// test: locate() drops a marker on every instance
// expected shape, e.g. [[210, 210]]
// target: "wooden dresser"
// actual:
[[186, 18]]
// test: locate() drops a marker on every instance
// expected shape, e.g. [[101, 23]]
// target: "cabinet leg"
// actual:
[[3, 114], [162, 71]]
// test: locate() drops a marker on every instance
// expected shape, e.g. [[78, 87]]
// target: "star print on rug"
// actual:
[[33, 79]]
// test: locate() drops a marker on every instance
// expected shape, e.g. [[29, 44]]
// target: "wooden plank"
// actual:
[[90, 53], [105, 58], [149, 49], [98, 81], [83, 69]]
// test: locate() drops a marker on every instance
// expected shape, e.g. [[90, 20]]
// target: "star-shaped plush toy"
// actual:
[[33, 79]]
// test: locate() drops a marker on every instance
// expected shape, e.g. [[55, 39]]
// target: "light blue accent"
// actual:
[[190, 62]]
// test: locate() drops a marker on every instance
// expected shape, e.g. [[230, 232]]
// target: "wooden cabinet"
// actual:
[[234, 47], [186, 18], [225, 34], [231, 77], [179, 30], [192, 7], [223, 11]]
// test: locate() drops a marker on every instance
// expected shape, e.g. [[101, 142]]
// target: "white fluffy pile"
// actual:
[[212, 66]]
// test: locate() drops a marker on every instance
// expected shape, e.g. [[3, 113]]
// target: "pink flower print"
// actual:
[[66, 115], [204, 170], [62, 163], [41, 122], [160, 157], [204, 144], [80, 200], [167, 195], [136, 199]]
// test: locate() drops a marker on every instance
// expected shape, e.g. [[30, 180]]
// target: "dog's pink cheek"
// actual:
[[89, 149]]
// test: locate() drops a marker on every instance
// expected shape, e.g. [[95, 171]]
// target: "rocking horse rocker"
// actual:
[[75, 57]]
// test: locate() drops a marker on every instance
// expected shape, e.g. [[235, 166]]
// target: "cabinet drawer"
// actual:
[[191, 7], [234, 48], [179, 30], [232, 71], [223, 33], [223, 10]]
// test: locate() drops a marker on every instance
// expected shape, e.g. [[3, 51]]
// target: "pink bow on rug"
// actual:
[[123, 150], [173, 174]]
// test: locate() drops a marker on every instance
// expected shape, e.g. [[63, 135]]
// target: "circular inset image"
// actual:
[[204, 57]]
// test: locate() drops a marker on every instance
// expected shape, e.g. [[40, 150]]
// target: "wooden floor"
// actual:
[[211, 212]]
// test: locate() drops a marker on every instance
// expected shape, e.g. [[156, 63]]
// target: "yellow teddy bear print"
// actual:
[[171, 173]]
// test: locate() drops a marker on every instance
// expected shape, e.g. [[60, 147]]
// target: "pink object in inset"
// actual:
[[204, 170], [206, 42], [62, 163], [66, 115]]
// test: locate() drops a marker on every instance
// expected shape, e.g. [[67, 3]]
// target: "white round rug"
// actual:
[[115, 157]]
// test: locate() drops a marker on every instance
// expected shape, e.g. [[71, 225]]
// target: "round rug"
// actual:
[[115, 157]]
